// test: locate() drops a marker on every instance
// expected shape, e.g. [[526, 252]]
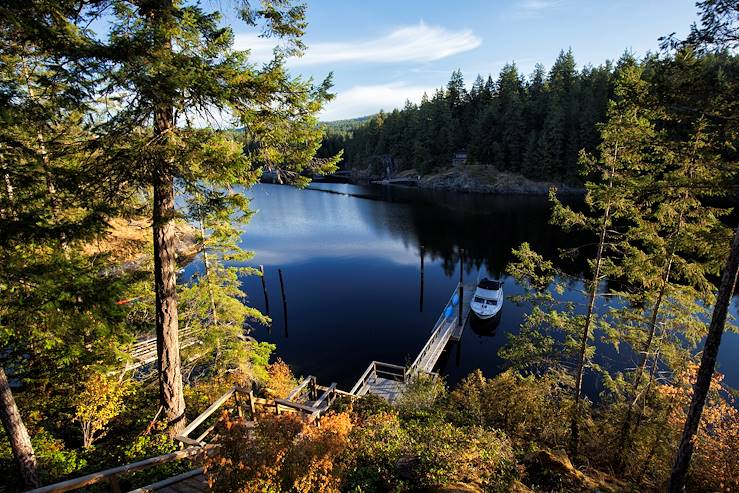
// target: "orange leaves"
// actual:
[[716, 459], [283, 453], [281, 379]]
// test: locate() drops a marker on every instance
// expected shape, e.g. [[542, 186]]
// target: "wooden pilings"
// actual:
[[264, 290], [284, 300], [420, 301]]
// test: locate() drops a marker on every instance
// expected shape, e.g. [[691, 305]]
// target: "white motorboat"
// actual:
[[488, 298]]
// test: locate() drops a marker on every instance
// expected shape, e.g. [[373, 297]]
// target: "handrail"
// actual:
[[111, 475], [390, 365], [326, 393], [375, 368], [300, 387], [295, 405], [363, 379], [440, 323], [205, 415], [151, 488]]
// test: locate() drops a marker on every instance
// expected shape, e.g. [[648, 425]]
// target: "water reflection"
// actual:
[[368, 270]]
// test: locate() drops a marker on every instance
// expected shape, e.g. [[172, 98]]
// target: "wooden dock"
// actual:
[[388, 380]]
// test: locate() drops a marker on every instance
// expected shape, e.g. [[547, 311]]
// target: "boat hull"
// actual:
[[485, 315]]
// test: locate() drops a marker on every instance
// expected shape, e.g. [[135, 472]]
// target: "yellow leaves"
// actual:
[[281, 379], [99, 402]]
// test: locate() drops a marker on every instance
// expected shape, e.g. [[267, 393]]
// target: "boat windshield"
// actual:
[[484, 301]]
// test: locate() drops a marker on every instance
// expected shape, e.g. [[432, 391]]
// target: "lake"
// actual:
[[351, 262]]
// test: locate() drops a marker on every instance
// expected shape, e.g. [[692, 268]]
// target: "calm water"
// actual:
[[351, 262]]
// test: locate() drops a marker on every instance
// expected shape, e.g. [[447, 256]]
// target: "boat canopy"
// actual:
[[489, 284]]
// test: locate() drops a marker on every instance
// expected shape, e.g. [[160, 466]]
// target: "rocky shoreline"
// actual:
[[484, 179]]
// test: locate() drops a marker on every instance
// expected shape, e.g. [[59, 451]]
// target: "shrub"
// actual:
[[283, 453], [449, 454], [528, 408], [376, 448], [421, 396], [281, 379], [100, 401]]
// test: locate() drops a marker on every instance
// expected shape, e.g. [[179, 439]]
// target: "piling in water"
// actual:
[[420, 301], [264, 290], [284, 300]]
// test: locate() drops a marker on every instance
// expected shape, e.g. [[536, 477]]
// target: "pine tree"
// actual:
[[54, 302], [178, 65], [612, 183]]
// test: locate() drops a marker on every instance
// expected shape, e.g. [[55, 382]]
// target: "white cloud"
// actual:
[[365, 100], [260, 48], [415, 43]]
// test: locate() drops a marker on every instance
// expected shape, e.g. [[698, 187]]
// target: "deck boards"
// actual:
[[195, 484], [385, 388]]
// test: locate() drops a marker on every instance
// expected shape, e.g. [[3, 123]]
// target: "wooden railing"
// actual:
[[442, 330], [112, 475], [378, 369], [184, 436]]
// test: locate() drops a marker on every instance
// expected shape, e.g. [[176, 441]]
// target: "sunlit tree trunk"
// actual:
[[20, 442], [705, 371], [165, 272]]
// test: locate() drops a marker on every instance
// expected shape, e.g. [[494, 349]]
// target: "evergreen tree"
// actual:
[[177, 65]]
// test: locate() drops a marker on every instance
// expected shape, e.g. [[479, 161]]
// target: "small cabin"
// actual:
[[459, 158]]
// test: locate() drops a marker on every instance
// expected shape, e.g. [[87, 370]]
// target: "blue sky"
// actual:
[[384, 52]]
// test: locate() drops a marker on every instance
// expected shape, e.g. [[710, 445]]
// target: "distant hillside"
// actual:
[[346, 126]]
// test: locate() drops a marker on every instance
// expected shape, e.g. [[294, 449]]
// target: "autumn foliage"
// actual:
[[282, 453], [715, 463]]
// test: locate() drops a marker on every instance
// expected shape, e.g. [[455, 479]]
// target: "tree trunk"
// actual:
[[208, 275], [165, 284], [46, 165], [575, 420], [705, 371], [9, 212], [20, 442], [165, 278]]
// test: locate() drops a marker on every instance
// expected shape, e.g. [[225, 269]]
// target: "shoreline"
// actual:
[[477, 179]]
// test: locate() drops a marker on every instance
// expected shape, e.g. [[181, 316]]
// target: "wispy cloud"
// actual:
[[365, 100], [532, 7], [415, 43], [538, 4]]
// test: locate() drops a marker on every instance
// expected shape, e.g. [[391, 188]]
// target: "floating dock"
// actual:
[[388, 380]]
